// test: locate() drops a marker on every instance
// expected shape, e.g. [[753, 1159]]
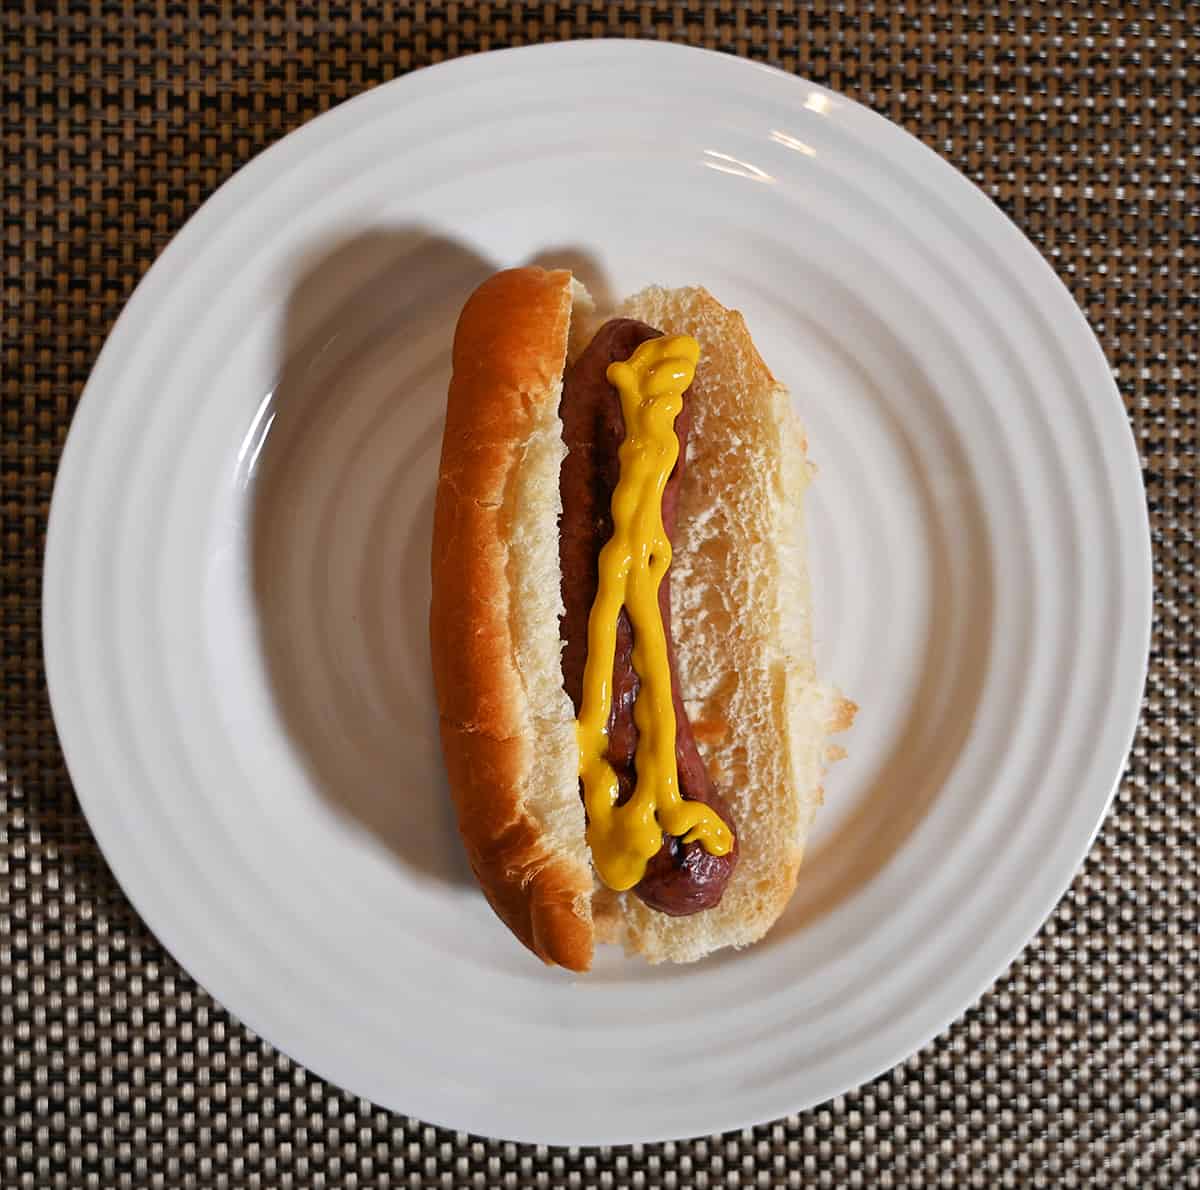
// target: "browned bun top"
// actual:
[[497, 486]]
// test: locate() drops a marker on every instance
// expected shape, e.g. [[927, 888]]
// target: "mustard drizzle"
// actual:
[[623, 839]]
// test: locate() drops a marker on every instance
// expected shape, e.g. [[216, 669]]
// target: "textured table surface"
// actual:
[[1080, 1067]]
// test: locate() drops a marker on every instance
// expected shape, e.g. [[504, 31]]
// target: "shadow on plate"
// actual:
[[342, 527], [585, 267]]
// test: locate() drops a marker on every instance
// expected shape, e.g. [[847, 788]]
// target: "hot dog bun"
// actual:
[[739, 596]]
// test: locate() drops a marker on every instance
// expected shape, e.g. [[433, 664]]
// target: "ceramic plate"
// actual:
[[236, 587]]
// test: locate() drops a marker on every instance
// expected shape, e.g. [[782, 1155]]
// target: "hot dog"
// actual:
[[681, 878], [604, 481]]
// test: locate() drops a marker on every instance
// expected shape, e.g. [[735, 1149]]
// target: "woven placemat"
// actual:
[[1080, 1067]]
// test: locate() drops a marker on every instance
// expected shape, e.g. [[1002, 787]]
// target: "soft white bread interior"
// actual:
[[740, 607], [743, 633], [506, 723]]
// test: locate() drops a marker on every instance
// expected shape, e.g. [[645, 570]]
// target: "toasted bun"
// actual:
[[506, 722], [739, 592]]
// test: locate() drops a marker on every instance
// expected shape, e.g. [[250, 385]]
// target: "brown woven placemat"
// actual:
[[1079, 1068]]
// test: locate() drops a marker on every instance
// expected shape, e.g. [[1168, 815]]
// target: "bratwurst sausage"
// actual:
[[681, 878]]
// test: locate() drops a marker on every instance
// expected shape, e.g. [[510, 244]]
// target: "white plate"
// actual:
[[236, 584]]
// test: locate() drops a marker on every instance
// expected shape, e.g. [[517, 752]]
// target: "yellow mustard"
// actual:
[[632, 563]]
